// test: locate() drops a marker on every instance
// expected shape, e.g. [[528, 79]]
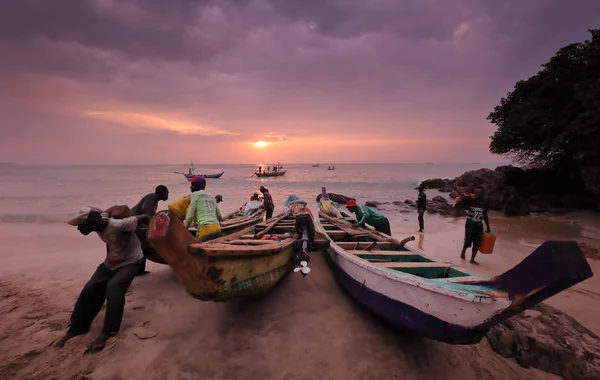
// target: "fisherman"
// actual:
[[204, 211], [190, 171], [112, 278], [477, 211], [268, 202], [147, 206], [252, 206], [365, 215], [421, 206], [218, 198], [259, 169]]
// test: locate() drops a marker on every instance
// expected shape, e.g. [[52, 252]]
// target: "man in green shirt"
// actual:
[[365, 215], [203, 211]]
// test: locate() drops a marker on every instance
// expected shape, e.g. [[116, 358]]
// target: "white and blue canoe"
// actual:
[[438, 300]]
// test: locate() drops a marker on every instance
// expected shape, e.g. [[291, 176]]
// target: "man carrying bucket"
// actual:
[[477, 212]]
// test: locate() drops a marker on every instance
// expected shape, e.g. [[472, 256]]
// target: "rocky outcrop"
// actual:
[[440, 205], [518, 192], [550, 340], [373, 204]]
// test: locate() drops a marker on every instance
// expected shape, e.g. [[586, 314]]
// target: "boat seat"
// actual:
[[382, 253], [353, 245], [463, 279], [413, 265]]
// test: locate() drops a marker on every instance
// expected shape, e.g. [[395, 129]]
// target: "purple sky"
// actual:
[[156, 81]]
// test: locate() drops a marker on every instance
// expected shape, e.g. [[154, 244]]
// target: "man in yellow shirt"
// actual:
[[203, 210]]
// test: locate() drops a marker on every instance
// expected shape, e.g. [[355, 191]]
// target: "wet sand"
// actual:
[[305, 329]]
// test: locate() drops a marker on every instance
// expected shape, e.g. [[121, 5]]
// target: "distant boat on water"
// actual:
[[270, 174], [191, 173], [316, 165], [331, 168]]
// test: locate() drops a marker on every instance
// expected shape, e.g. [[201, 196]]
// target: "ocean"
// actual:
[[51, 194]]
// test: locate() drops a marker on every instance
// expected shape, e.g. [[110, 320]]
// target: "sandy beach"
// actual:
[[304, 329]]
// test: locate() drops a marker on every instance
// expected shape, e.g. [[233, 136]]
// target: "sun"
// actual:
[[260, 144]]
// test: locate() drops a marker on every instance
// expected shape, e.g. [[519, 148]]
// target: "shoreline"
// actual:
[[331, 335]]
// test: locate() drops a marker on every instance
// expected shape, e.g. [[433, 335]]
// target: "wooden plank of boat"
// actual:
[[444, 302], [271, 225], [356, 245], [223, 271], [381, 253]]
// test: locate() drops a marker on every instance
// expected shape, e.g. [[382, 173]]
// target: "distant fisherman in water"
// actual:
[[147, 206], [204, 211], [477, 211], [421, 207], [112, 278], [268, 202], [218, 198], [365, 215]]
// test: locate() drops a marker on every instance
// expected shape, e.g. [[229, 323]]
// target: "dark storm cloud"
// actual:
[[245, 68]]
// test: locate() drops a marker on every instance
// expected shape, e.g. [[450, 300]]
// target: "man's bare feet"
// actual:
[[462, 255], [97, 344], [63, 340], [474, 262]]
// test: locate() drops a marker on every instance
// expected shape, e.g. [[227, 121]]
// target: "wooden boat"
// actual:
[[270, 174], [236, 221], [192, 173], [244, 264], [439, 300], [316, 165], [191, 176]]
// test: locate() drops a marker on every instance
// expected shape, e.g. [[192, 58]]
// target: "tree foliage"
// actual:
[[553, 118]]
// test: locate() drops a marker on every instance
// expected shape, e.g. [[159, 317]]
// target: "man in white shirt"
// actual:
[[112, 278]]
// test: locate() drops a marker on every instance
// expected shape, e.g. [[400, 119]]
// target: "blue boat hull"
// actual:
[[404, 316]]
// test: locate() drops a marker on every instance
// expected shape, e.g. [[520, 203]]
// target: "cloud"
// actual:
[[146, 122]]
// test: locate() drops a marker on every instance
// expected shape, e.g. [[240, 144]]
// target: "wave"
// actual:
[[34, 218]]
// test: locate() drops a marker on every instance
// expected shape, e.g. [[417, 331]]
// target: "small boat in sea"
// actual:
[[270, 174], [439, 300], [191, 174], [331, 168], [244, 264], [316, 165]]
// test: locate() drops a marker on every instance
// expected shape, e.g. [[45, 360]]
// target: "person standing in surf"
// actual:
[[477, 214], [268, 202], [421, 207]]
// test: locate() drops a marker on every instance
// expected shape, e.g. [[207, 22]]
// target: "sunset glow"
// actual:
[[260, 144]]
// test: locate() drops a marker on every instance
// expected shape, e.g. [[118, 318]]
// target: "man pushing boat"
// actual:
[[112, 278], [365, 215], [204, 211]]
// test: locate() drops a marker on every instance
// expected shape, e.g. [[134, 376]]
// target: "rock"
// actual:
[[516, 206], [373, 204], [542, 202], [405, 211], [448, 187], [549, 340], [571, 201], [410, 202], [397, 203], [439, 199], [454, 194], [341, 199], [435, 183]]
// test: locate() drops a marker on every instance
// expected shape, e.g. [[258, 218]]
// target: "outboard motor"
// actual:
[[305, 227]]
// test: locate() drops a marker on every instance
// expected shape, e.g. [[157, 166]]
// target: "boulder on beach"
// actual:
[[373, 204], [550, 340], [516, 205], [435, 183]]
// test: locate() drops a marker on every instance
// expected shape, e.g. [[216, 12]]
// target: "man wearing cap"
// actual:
[[268, 202], [365, 215], [204, 211], [112, 278], [219, 198]]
